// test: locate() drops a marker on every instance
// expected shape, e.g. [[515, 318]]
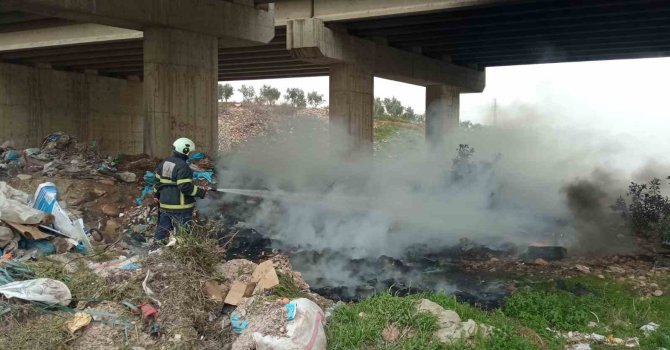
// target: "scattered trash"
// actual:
[[582, 339], [43, 290], [45, 200], [77, 322], [239, 291], [265, 275], [305, 331], [150, 293], [106, 268], [649, 328], [148, 311]]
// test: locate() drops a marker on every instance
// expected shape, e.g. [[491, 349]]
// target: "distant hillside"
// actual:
[[240, 123]]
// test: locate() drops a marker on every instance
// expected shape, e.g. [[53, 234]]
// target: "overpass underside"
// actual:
[[133, 77]]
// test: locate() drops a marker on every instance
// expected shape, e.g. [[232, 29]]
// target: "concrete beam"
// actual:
[[310, 40], [64, 35], [237, 24], [329, 10]]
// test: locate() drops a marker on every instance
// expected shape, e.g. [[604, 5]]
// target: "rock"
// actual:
[[445, 318], [236, 270], [616, 269], [110, 235], [109, 210], [24, 177], [468, 329], [658, 293], [127, 176], [361, 315], [541, 262], [391, 333], [582, 268], [602, 277], [653, 285], [107, 182]]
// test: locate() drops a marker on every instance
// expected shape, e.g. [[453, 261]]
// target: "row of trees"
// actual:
[[393, 108], [296, 97], [268, 95]]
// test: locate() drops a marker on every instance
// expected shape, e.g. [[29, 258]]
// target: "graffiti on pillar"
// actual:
[[181, 128]]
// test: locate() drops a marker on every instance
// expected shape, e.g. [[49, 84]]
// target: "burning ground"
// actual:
[[450, 226]]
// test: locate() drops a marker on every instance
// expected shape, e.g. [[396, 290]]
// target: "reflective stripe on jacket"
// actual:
[[176, 191]]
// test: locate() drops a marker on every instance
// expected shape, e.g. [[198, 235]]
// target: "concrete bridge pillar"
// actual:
[[351, 101], [442, 112], [180, 82]]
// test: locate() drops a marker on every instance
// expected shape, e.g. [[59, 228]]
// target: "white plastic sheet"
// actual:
[[44, 290]]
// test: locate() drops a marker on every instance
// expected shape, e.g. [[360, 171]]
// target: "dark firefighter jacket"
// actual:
[[175, 189]]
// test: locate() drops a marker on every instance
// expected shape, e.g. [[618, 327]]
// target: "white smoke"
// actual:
[[510, 191]]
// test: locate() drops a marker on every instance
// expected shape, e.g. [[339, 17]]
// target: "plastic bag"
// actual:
[[46, 201], [44, 290], [14, 207], [304, 332]]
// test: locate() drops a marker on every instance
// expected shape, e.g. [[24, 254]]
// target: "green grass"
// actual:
[[287, 288], [525, 316], [46, 332]]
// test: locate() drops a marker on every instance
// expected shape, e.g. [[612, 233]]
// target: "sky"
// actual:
[[624, 100]]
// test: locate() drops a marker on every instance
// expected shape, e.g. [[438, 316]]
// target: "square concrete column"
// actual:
[[351, 100], [442, 112], [180, 83]]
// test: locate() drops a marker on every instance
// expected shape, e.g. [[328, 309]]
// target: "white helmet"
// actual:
[[184, 146]]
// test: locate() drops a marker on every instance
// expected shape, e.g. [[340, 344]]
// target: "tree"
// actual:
[[295, 97], [393, 107], [268, 95], [225, 92], [314, 99], [378, 108], [409, 114], [248, 93]]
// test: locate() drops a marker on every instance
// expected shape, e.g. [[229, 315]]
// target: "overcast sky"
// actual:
[[627, 100]]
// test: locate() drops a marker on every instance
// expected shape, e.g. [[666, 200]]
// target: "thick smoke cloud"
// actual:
[[525, 182]]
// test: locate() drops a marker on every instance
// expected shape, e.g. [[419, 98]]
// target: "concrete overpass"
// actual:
[[135, 74]]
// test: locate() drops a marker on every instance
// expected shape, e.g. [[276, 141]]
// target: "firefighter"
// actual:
[[175, 191]]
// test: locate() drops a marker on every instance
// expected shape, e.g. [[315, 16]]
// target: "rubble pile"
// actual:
[[61, 155], [239, 123]]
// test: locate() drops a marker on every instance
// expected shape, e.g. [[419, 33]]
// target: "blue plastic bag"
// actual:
[[237, 323], [149, 182], [12, 156], [291, 309], [197, 156], [207, 175]]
